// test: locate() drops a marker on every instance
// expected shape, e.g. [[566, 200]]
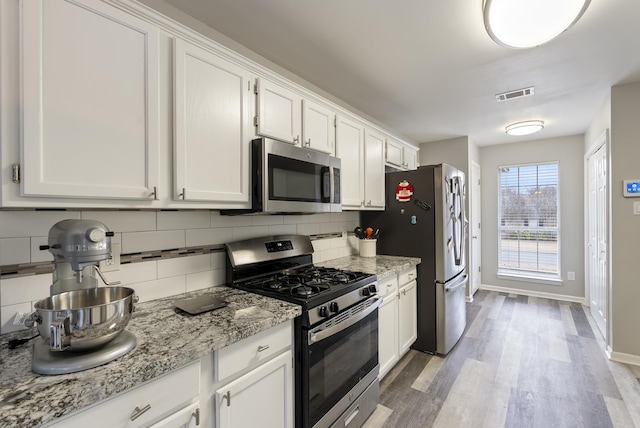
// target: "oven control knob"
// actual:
[[333, 307], [366, 292], [372, 288], [323, 311]]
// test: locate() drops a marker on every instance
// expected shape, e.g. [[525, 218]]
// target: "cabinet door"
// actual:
[[410, 159], [408, 316], [90, 101], [350, 148], [374, 170], [279, 112], [212, 126], [393, 153], [388, 334], [318, 127], [261, 398], [189, 417]]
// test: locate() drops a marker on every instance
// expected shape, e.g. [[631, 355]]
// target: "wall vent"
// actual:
[[519, 93]]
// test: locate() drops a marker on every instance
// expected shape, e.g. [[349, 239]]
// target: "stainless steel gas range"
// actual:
[[336, 337]]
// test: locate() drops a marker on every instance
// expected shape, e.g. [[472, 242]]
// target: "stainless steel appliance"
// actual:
[[425, 217], [336, 337], [81, 325], [290, 179]]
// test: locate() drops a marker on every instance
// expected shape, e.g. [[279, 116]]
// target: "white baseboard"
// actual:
[[621, 357], [542, 294]]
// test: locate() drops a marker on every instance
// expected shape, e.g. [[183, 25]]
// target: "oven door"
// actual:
[[341, 353], [299, 180]]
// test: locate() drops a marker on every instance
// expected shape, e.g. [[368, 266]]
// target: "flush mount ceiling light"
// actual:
[[528, 23], [524, 128]]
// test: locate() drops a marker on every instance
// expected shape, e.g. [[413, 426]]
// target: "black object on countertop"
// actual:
[[200, 304]]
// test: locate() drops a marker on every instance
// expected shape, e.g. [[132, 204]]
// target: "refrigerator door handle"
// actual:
[[456, 285]]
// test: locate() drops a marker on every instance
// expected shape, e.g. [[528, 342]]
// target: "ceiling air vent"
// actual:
[[506, 96]]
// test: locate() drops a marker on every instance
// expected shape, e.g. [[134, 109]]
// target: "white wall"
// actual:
[[568, 151], [625, 227], [21, 233]]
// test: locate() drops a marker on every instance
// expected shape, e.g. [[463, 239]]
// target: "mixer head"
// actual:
[[81, 243]]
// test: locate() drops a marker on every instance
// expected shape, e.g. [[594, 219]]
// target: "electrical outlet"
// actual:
[[571, 276], [20, 317], [113, 262]]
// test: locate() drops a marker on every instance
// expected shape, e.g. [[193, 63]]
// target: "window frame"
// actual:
[[522, 274]]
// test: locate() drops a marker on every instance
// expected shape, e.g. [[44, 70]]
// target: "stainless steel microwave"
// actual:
[[290, 179]]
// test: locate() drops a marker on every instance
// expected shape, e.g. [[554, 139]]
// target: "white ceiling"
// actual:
[[428, 69]]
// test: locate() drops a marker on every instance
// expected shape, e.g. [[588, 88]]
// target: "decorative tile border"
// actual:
[[39, 268]]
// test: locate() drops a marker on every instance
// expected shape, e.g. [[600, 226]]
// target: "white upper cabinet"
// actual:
[[394, 153], [318, 127], [374, 195], [90, 101], [400, 156], [279, 112], [410, 158], [350, 149], [212, 126]]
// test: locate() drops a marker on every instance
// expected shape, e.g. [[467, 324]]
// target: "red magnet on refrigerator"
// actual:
[[404, 191]]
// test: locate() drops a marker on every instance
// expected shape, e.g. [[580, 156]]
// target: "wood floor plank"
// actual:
[[379, 417], [567, 319], [580, 319], [509, 365], [496, 307], [619, 413], [429, 372]]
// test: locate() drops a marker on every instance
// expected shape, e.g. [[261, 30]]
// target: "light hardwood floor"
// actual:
[[522, 362]]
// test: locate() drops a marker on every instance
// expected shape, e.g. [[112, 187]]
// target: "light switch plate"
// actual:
[[636, 208]]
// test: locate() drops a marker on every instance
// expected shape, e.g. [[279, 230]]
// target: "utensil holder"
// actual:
[[368, 247]]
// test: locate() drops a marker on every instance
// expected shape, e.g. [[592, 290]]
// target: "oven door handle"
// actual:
[[318, 335]]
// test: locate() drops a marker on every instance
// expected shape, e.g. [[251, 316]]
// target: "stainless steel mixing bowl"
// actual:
[[82, 320]]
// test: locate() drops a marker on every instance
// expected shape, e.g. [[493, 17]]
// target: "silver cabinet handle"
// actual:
[[154, 194], [296, 140], [308, 143], [227, 396], [196, 415], [263, 348], [137, 412], [369, 203]]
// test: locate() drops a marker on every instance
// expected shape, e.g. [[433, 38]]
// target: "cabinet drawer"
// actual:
[[387, 286], [252, 350], [162, 396], [406, 276]]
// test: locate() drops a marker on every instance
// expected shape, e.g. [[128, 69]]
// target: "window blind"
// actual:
[[528, 241]]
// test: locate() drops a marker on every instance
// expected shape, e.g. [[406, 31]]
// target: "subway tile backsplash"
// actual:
[[23, 231]]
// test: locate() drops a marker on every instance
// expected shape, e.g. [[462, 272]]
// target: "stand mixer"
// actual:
[[82, 324]]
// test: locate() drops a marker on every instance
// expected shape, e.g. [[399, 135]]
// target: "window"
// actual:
[[528, 241]]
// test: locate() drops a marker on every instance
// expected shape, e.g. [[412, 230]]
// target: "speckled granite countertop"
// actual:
[[382, 266], [165, 341]]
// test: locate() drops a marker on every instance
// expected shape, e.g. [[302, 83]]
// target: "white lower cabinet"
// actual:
[[260, 398], [388, 333], [408, 316], [189, 417], [397, 318], [168, 401]]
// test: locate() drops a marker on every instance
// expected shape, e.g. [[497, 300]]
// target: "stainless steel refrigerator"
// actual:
[[425, 217]]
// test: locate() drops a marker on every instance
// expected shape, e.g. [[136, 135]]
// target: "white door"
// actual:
[[279, 112], [475, 271], [318, 127], [211, 110], [261, 398], [90, 101], [350, 148], [597, 231], [374, 190]]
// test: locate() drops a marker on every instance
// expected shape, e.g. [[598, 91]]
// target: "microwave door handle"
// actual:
[[331, 185], [318, 335]]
